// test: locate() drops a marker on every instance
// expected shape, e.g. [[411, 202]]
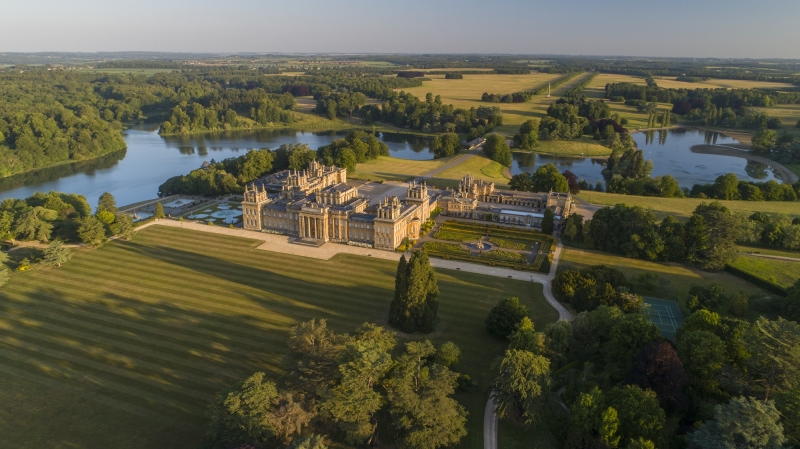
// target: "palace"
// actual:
[[478, 200], [317, 206]]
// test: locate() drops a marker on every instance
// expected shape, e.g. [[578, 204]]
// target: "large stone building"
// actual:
[[477, 199], [316, 206]]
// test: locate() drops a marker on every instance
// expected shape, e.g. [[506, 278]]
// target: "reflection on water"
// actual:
[[670, 151], [134, 175]]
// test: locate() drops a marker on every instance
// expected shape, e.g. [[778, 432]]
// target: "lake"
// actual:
[[134, 174], [670, 151]]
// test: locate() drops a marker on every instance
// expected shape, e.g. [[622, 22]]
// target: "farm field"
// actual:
[[146, 332], [716, 83], [680, 277], [683, 207], [788, 113], [466, 93], [596, 90], [781, 272]]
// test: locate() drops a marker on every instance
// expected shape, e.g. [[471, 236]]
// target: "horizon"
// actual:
[[712, 29]]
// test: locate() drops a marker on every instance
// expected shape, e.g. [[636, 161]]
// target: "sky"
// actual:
[[677, 28]]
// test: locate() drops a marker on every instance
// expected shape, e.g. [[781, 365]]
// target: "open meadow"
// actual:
[[781, 272], [683, 207], [126, 345]]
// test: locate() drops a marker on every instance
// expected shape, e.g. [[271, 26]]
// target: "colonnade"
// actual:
[[312, 227]]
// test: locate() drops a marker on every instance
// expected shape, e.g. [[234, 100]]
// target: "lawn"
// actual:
[[395, 169], [683, 207], [466, 93], [125, 345], [478, 166], [582, 147], [769, 251], [676, 278], [780, 272], [788, 113]]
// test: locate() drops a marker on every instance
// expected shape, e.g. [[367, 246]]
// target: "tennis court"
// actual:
[[666, 315]]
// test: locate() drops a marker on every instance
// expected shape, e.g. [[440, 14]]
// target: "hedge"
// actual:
[[505, 256], [510, 244], [763, 283], [455, 236]]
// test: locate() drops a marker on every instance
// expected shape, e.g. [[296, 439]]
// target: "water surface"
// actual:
[[134, 174]]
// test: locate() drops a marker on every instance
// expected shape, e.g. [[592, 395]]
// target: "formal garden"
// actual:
[[491, 244], [220, 214]]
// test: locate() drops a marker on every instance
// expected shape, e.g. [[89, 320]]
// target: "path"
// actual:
[[767, 256]]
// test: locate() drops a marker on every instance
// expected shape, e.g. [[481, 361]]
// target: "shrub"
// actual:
[[439, 247], [504, 317], [211, 223], [453, 76], [619, 98], [505, 256], [510, 244], [455, 236]]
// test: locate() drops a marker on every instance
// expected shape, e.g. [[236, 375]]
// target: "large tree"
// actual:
[[639, 414], [741, 423], [775, 349], [521, 383], [496, 148], [505, 316], [419, 391], [312, 359], [712, 241], [91, 231], [547, 178], [657, 367], [416, 299], [528, 135], [592, 424], [107, 202], [703, 354], [35, 224], [548, 222]]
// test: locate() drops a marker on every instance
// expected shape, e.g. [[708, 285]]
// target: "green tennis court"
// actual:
[[666, 315]]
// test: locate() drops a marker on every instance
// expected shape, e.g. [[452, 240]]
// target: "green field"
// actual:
[[581, 147], [680, 278], [780, 272], [769, 251], [478, 166], [124, 346], [388, 168], [683, 207]]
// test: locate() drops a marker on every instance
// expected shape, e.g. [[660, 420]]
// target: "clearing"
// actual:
[[146, 332]]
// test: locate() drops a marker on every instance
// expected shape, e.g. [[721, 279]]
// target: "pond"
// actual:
[[670, 151], [134, 174]]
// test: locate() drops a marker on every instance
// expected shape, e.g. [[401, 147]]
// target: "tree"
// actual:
[[56, 254], [313, 353], [312, 441], [419, 393], [775, 349], [628, 336], [741, 423], [496, 148], [416, 303], [521, 383], [790, 308], [242, 414], [638, 411], [722, 232], [528, 135], [573, 228], [91, 231], [591, 423], [353, 401], [107, 202], [159, 214], [123, 226], [657, 367], [548, 178], [525, 338], [788, 403], [505, 316], [703, 355], [34, 224], [548, 222]]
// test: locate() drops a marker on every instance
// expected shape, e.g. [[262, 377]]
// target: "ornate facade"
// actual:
[[477, 199], [316, 206]]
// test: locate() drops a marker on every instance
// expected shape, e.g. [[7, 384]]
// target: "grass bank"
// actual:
[[146, 332]]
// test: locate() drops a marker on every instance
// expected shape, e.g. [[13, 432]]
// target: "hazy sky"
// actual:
[[716, 28]]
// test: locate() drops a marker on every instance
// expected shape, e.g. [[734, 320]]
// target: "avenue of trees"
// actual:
[[344, 387]]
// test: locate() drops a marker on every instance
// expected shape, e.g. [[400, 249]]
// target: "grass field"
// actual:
[[781, 272], [466, 93], [788, 113], [478, 166], [125, 345], [715, 83], [680, 277], [683, 207], [770, 251], [582, 147], [395, 169]]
